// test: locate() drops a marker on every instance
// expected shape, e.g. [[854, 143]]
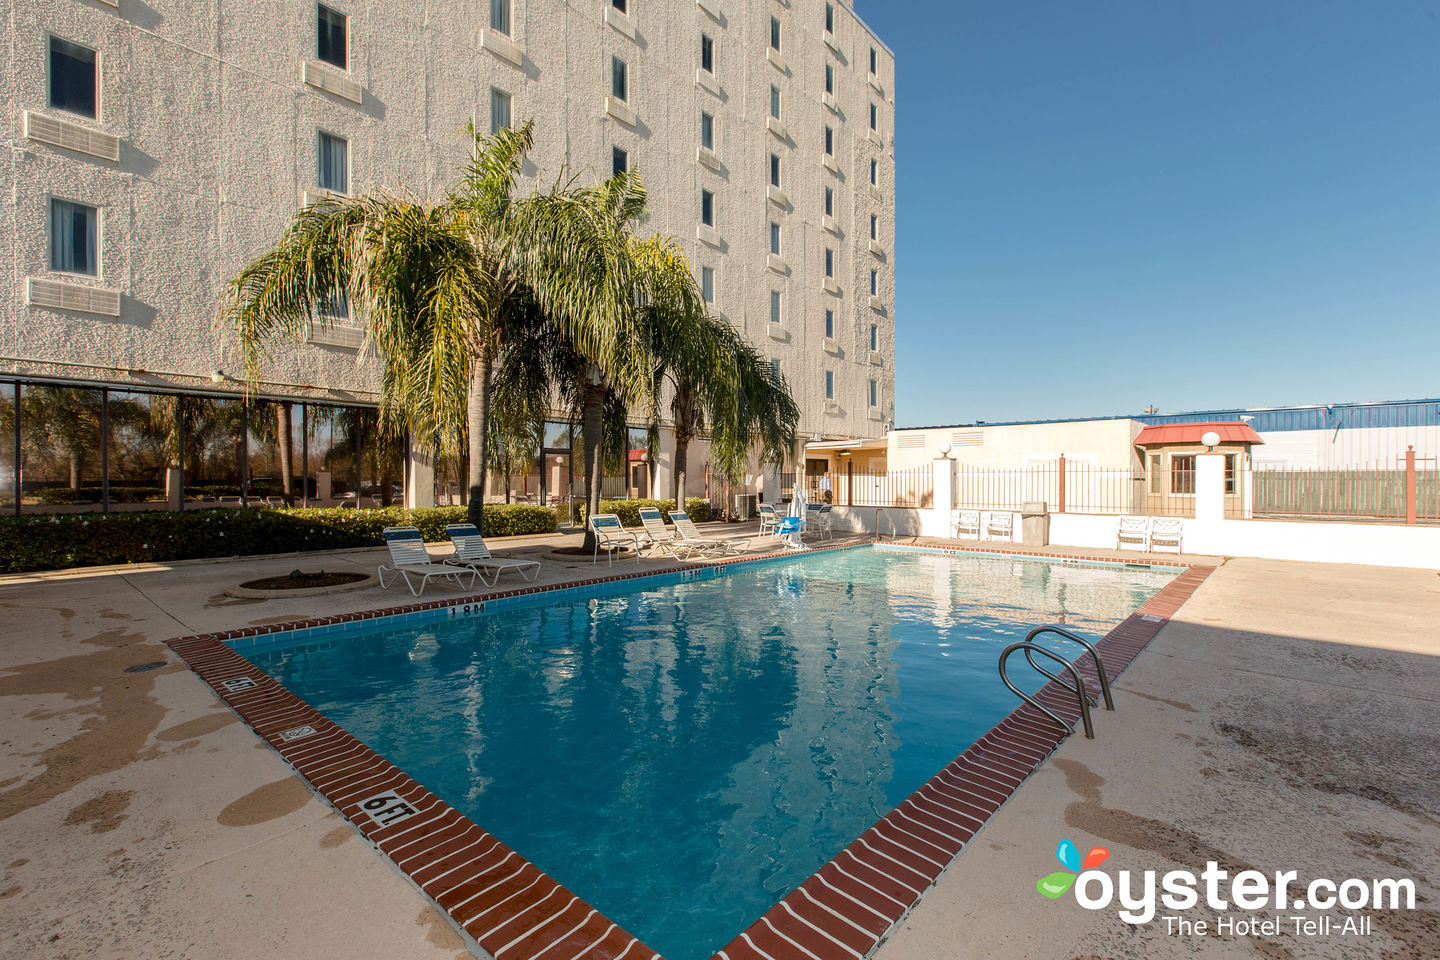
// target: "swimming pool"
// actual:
[[682, 756]]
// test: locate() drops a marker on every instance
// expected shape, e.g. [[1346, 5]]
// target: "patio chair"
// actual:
[[1001, 526], [687, 534], [823, 522], [408, 558], [768, 519], [967, 524], [471, 551], [1165, 532], [656, 536], [611, 535], [1134, 530]]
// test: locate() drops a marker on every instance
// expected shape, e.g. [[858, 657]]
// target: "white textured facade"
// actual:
[[216, 107]]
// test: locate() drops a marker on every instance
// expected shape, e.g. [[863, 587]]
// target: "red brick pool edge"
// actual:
[[515, 911]]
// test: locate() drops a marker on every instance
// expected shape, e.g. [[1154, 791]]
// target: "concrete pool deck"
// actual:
[[140, 818]]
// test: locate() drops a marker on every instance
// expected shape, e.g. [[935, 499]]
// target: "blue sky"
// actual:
[[1190, 203]]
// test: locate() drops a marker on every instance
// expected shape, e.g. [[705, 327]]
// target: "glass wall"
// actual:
[[60, 449], [7, 448], [143, 441]]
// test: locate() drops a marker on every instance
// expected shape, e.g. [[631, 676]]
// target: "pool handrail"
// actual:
[[1099, 663], [1083, 700]]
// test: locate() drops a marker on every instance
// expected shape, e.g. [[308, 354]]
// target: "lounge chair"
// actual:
[[1001, 526], [408, 558], [968, 524], [656, 536], [1135, 530], [470, 551], [768, 519], [687, 534], [1165, 532], [611, 535]]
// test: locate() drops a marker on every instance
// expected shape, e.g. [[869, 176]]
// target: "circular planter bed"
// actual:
[[300, 584]]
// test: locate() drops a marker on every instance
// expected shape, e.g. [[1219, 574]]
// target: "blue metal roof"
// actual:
[[1345, 416]]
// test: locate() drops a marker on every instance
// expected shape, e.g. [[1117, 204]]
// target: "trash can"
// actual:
[[1034, 523], [745, 506]]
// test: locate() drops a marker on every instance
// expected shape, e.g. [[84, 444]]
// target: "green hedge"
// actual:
[[82, 540]]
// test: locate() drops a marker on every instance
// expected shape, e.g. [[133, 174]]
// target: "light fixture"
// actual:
[[945, 449], [218, 376], [1210, 438]]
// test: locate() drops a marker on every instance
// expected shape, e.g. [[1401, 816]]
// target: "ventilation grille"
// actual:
[[323, 77], [967, 438], [71, 136], [341, 333], [911, 441], [56, 295], [502, 46], [710, 7]]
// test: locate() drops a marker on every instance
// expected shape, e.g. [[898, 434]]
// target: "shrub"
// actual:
[[88, 539], [58, 496]]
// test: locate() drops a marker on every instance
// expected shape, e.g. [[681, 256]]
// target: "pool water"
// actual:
[[684, 756]]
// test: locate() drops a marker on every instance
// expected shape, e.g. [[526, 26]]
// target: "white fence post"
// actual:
[[935, 522]]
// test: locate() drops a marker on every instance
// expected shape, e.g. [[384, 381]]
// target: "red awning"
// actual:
[[1230, 431]]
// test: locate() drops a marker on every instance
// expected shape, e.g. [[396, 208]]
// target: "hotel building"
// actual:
[[157, 147]]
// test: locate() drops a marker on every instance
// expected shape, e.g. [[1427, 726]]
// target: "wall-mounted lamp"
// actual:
[[218, 376]]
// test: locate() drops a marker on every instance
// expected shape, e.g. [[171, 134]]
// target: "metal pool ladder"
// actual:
[[1082, 695]]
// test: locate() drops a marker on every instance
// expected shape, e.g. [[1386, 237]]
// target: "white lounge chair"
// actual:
[[1135, 530], [408, 558], [768, 519], [823, 522], [687, 534], [967, 524], [1165, 533], [1000, 526], [656, 536], [470, 551], [611, 535]]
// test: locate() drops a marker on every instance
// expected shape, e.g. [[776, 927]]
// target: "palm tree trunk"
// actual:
[[593, 430], [477, 411], [682, 450], [283, 442]]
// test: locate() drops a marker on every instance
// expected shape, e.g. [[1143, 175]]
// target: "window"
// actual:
[[1156, 477], [775, 306], [829, 202], [707, 208], [829, 324], [775, 367], [618, 5], [336, 305], [874, 227], [1182, 473], [334, 173], [874, 337], [874, 283], [331, 46], [874, 117], [829, 141], [829, 18], [73, 232], [775, 34], [500, 16], [619, 161], [874, 394], [707, 284], [829, 262], [775, 238], [499, 111], [1229, 473], [874, 173], [829, 384], [72, 78], [829, 78], [617, 78], [707, 54], [774, 170], [874, 61], [774, 101], [707, 130]]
